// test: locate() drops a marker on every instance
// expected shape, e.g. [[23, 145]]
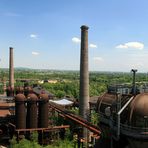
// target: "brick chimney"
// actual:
[[11, 69], [84, 74]]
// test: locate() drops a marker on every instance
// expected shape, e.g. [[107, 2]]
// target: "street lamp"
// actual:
[[134, 82]]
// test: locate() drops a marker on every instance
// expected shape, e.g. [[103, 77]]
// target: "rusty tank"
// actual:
[[43, 111], [32, 111], [20, 111]]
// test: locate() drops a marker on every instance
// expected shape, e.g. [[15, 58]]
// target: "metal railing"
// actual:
[[125, 129]]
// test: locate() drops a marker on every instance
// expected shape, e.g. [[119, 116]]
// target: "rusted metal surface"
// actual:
[[138, 115], [20, 111], [77, 119], [43, 111], [4, 112], [32, 111], [41, 132], [42, 129], [105, 101], [39, 90]]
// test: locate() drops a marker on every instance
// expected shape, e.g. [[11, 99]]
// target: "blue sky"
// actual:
[[46, 33]]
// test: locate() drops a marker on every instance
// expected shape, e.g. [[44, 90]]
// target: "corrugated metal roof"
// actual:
[[62, 102], [6, 105], [39, 90], [4, 113]]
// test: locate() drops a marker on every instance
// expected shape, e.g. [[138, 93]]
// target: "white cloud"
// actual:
[[140, 64], [98, 59], [76, 40], [121, 46], [34, 36], [137, 65], [92, 46], [134, 45], [35, 53]]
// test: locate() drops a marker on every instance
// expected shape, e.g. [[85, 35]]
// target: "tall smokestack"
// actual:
[[84, 75], [11, 69]]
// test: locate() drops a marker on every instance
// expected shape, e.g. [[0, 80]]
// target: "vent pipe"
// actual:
[[134, 81]]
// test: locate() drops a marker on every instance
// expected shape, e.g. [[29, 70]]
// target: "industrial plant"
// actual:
[[122, 110]]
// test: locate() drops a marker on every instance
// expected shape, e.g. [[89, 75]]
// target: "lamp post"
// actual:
[[134, 81]]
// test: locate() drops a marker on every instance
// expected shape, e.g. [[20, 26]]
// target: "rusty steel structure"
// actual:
[[123, 113], [43, 111], [41, 132], [32, 106], [32, 110], [138, 112], [41, 129], [123, 109], [20, 111], [77, 119]]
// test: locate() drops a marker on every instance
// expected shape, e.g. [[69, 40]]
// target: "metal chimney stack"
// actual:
[[84, 75], [11, 69], [134, 81]]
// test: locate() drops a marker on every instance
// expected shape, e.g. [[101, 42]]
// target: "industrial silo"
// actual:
[[43, 111], [106, 101], [138, 121], [20, 111], [32, 111]]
